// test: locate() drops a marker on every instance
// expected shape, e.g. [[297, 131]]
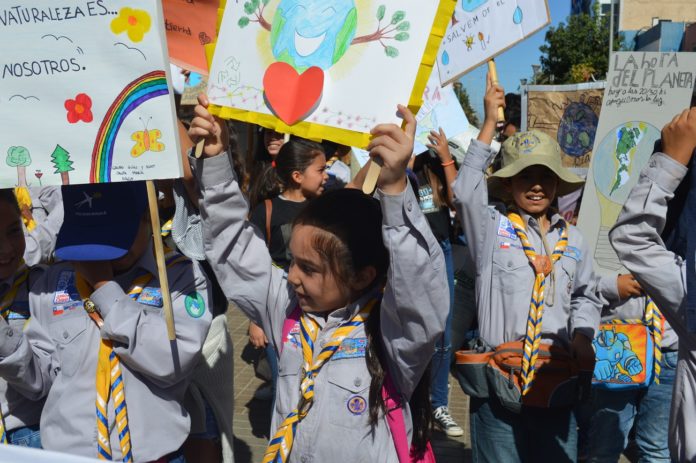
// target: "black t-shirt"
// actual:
[[282, 215], [438, 217]]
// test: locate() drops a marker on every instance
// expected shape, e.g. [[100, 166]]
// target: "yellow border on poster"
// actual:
[[315, 131]]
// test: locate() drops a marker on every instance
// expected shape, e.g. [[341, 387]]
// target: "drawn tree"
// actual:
[[61, 161], [18, 156], [394, 29]]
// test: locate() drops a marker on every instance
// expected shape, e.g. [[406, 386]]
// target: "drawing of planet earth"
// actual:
[[621, 156], [576, 131], [309, 33]]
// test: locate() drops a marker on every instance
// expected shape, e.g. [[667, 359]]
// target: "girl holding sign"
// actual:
[[357, 316]]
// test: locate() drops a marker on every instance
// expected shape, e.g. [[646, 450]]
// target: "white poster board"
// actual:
[[84, 96], [645, 90], [482, 29]]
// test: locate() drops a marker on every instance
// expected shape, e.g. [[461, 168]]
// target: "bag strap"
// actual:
[[269, 212]]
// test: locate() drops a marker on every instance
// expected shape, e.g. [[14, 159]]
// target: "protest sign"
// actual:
[[84, 96], [190, 26], [441, 109], [645, 90], [325, 70], [482, 29], [567, 113], [194, 86]]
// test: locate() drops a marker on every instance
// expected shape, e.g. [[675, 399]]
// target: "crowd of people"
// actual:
[[356, 300]]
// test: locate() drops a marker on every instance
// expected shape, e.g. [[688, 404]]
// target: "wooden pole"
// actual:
[[159, 256], [199, 148], [493, 71], [371, 177]]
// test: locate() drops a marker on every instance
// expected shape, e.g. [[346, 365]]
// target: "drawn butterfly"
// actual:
[[146, 140]]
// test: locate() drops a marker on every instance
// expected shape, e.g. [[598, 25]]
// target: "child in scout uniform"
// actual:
[[352, 350], [618, 404], [42, 215], [114, 382], [20, 407], [535, 295], [666, 277]]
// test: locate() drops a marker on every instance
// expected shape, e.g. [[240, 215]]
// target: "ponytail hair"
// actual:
[[276, 177]]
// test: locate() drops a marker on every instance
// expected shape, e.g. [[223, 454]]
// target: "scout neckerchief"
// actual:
[[20, 278], [109, 377], [24, 201], [654, 320], [543, 265], [279, 448]]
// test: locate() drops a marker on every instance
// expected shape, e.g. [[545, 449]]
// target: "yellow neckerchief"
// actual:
[[24, 201], [280, 446], [20, 278], [542, 266]]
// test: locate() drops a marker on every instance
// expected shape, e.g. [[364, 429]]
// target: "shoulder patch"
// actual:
[[195, 305], [505, 228], [351, 348], [66, 290], [573, 253], [150, 296]]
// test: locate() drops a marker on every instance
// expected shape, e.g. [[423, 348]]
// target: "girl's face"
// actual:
[[534, 189], [11, 240], [313, 178], [273, 141], [315, 285]]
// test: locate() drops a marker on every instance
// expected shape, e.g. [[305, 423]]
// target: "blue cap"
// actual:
[[101, 220]]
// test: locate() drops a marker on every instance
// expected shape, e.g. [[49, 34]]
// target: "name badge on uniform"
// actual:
[[66, 290], [573, 252], [151, 296], [505, 228], [351, 348]]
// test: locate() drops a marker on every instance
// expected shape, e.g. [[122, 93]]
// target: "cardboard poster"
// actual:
[[190, 26], [84, 95], [194, 86], [441, 109], [645, 90], [482, 29], [567, 113], [325, 70]]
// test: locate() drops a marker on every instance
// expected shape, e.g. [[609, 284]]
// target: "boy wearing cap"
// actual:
[[526, 258], [115, 383]]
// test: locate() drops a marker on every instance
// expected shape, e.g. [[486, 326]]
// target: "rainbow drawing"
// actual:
[[146, 87]]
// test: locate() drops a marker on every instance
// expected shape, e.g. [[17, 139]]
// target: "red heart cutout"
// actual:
[[291, 96]]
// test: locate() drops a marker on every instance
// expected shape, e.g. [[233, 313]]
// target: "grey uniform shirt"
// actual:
[[413, 314], [47, 210], [636, 240], [504, 276], [629, 309], [21, 406], [154, 382]]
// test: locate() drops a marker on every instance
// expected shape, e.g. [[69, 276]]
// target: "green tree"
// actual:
[[464, 101], [576, 51], [18, 156], [61, 161]]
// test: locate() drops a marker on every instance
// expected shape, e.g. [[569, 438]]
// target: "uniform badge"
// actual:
[[195, 305], [351, 348], [505, 229], [357, 405], [151, 296], [66, 290], [294, 335]]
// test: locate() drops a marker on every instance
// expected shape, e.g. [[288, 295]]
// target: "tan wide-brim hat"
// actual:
[[533, 148]]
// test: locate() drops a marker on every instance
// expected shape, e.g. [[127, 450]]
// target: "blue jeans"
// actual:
[[439, 373], [616, 412], [28, 436], [533, 435]]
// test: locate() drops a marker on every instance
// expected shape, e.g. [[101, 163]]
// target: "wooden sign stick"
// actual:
[[371, 177], [199, 148], [493, 71], [159, 257]]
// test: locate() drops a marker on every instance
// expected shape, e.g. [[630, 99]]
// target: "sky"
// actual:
[[515, 63]]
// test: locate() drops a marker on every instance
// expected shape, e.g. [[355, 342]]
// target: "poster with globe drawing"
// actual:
[[324, 69], [84, 93], [644, 91], [482, 29], [568, 114]]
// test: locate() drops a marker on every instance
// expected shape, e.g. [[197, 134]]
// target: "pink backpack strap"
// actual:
[[397, 425], [289, 322]]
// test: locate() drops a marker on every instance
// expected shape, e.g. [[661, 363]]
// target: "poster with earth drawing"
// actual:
[[644, 91]]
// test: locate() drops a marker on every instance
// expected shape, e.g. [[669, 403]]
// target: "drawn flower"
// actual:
[[136, 23], [79, 109]]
